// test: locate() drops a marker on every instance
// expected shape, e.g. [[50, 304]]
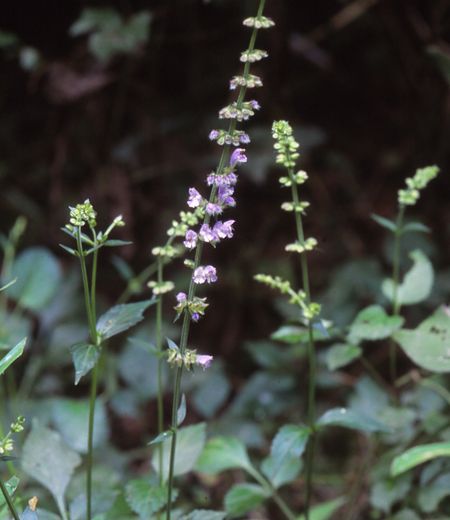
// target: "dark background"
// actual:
[[362, 83]]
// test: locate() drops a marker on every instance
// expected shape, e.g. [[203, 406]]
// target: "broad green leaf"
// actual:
[[386, 223], [190, 443], [282, 475], [11, 487], [431, 494], [350, 419], [71, 419], [415, 226], [211, 391], [204, 514], [39, 275], [145, 499], [405, 514], [49, 461], [223, 453], [121, 317], [324, 511], [373, 323], [12, 355], [289, 443], [341, 354], [417, 282], [243, 498], [388, 491], [428, 344], [418, 455], [85, 357]]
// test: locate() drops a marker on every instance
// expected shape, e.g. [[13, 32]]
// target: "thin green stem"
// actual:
[[192, 286], [90, 440], [159, 350], [86, 286], [9, 501]]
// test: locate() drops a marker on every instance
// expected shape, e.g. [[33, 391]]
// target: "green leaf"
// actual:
[[350, 419], [71, 419], [39, 275], [442, 60], [296, 334], [12, 355], [8, 284], [384, 222], [417, 282], [145, 499], [405, 514], [190, 443], [415, 226], [113, 243], [223, 453], [372, 323], [181, 413], [324, 511], [121, 317], [204, 514], [161, 437], [85, 357], [341, 354], [243, 498], [289, 443], [11, 487], [388, 491], [70, 250], [283, 474], [49, 461], [418, 455], [428, 344], [431, 494]]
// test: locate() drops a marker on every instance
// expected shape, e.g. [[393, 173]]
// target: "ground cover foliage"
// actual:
[[175, 345]]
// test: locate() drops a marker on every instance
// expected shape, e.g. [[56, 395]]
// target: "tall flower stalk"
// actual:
[[287, 154], [212, 230]]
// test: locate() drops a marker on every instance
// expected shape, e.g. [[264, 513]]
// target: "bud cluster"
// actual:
[[422, 177]]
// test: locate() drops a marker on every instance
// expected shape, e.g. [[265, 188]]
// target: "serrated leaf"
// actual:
[[204, 514], [415, 226], [373, 323], [341, 354], [11, 487], [145, 499], [223, 453], [418, 455], [85, 357], [324, 511], [428, 344], [351, 419], [181, 413], [282, 475], [243, 498], [190, 443], [121, 318], [39, 275], [289, 443], [49, 461], [12, 355], [417, 282], [385, 222]]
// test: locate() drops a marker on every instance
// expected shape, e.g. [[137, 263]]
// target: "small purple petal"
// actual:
[[181, 297], [191, 239], [213, 135], [210, 274], [204, 361], [238, 157], [195, 198], [199, 276], [206, 233]]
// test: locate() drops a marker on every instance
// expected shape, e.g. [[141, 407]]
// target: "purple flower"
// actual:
[[213, 209], [181, 297], [195, 199], [204, 361], [213, 135], [245, 139], [195, 317], [224, 229], [232, 179], [210, 274], [199, 276], [210, 179], [238, 157], [225, 198], [255, 105], [206, 234], [191, 239]]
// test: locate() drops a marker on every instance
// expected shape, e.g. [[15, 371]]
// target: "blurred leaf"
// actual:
[[181, 414], [342, 354], [289, 443], [428, 344], [369, 398], [12, 355], [29, 514], [442, 60], [212, 391], [121, 318], [243, 498], [102, 500], [71, 419], [8, 284], [417, 282], [113, 243], [324, 511], [11, 486], [268, 355], [204, 514], [384, 222], [223, 453], [190, 443], [418, 455], [415, 226], [405, 514], [387, 492], [49, 461], [400, 422], [145, 499], [433, 493], [283, 474], [39, 274], [296, 334], [350, 419], [85, 357], [373, 323], [8, 39]]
